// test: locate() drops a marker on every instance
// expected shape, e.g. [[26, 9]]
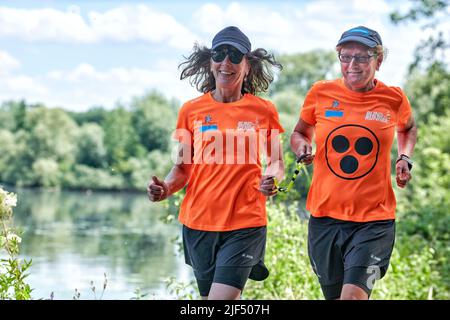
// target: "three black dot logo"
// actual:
[[351, 151]]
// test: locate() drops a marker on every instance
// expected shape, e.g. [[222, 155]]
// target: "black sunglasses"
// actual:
[[234, 54]]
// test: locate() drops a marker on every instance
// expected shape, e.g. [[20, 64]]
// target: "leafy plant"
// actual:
[[12, 269]]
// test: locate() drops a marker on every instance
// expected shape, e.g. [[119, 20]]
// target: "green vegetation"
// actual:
[[99, 149], [12, 269], [412, 273]]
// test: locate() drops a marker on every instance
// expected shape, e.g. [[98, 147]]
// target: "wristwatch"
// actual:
[[407, 159]]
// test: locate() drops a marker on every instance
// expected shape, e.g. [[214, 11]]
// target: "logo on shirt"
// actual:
[[246, 126], [334, 111], [351, 151], [375, 257], [378, 116], [248, 256], [208, 125], [204, 128]]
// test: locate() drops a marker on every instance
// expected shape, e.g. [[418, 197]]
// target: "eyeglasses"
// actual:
[[345, 58], [234, 55]]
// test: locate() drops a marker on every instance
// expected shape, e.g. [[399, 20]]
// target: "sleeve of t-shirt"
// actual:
[[404, 112], [274, 119], [183, 132], [308, 110]]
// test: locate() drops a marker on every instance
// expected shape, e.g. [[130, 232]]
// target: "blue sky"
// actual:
[[76, 54]]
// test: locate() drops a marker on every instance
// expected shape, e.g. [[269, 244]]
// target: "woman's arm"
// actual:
[[274, 169], [406, 139], [301, 140], [175, 180]]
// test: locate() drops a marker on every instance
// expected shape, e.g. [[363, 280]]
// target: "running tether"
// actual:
[[298, 166]]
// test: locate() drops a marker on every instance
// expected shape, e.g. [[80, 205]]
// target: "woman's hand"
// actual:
[[301, 141], [305, 158], [157, 190], [267, 186], [403, 173]]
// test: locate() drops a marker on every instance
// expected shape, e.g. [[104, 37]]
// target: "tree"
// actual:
[[300, 71], [429, 91], [51, 134], [41, 133], [154, 119], [91, 147], [423, 209], [121, 140], [8, 143], [433, 15], [46, 173], [95, 114], [12, 115]]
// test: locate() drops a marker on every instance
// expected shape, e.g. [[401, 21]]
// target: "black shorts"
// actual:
[[227, 257], [346, 252]]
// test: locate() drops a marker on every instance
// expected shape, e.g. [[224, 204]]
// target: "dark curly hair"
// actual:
[[197, 68]]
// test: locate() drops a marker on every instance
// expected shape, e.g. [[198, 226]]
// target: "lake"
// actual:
[[74, 238]]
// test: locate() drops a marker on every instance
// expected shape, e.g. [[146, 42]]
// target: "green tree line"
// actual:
[[98, 149]]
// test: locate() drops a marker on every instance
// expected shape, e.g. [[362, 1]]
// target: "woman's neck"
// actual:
[[226, 95], [369, 86]]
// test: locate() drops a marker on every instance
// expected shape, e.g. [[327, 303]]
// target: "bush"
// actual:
[[12, 269], [412, 273], [291, 275]]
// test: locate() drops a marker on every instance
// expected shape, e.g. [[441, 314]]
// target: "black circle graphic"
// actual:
[[363, 146], [340, 144], [349, 164]]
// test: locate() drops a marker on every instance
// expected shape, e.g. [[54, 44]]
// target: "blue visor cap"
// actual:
[[234, 37], [363, 35]]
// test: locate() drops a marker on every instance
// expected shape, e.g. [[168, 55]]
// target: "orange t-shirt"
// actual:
[[223, 187], [354, 133]]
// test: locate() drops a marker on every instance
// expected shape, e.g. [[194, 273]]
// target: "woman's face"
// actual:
[[229, 75], [358, 76]]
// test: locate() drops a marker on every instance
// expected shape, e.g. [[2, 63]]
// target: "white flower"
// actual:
[[13, 236], [11, 200]]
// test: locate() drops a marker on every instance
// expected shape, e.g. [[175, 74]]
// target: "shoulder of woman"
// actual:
[[394, 91], [324, 84]]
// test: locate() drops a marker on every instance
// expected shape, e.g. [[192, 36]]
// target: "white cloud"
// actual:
[[292, 27], [23, 85], [262, 23], [121, 24], [85, 86], [140, 23], [44, 25], [14, 85], [209, 16], [283, 27], [7, 62]]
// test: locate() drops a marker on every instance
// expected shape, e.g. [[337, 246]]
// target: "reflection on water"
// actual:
[[74, 238]]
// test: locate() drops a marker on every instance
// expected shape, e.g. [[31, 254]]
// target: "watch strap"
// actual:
[[407, 159]]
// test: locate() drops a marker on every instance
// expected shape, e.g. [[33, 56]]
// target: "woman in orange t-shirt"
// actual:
[[221, 135], [351, 229]]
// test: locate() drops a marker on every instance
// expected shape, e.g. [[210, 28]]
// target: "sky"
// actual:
[[80, 54]]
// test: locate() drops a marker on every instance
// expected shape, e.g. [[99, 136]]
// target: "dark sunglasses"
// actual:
[[234, 55]]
